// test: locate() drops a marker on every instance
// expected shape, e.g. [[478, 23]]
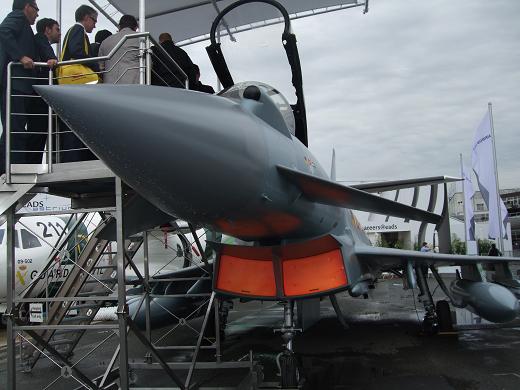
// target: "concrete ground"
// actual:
[[382, 349]]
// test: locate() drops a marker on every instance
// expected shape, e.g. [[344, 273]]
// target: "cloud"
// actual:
[[398, 92]]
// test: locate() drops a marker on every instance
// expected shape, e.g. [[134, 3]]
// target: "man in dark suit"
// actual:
[[198, 84], [164, 72], [17, 44], [76, 45], [48, 33], [100, 37]]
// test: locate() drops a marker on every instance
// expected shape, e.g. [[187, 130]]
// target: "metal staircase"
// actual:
[[11, 194], [93, 275]]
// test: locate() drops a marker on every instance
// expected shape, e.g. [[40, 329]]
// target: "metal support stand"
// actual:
[[199, 341], [286, 360], [430, 323], [11, 342], [199, 246], [122, 309]]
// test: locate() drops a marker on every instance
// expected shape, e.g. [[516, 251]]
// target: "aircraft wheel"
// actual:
[[289, 370], [444, 316], [430, 325]]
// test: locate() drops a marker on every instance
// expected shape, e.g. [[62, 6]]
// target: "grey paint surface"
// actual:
[[210, 160]]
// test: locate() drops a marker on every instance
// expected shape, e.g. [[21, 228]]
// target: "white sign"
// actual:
[[386, 227], [36, 312]]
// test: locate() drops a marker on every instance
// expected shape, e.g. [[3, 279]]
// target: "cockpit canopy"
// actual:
[[236, 92]]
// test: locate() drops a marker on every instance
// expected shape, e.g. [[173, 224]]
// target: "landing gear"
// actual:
[[288, 370], [287, 362], [444, 316], [430, 323]]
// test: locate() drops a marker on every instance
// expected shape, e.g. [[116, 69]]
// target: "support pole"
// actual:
[[7, 129], [122, 309], [58, 19], [199, 246], [464, 204], [155, 354], [500, 223], [50, 146], [142, 42], [11, 366], [148, 61], [218, 352], [147, 288], [199, 341]]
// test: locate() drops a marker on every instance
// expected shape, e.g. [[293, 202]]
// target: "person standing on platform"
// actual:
[[123, 67], [164, 72], [101, 35], [17, 44], [76, 46], [48, 33], [198, 85]]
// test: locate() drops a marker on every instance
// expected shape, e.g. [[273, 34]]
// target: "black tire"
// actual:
[[289, 370], [444, 316]]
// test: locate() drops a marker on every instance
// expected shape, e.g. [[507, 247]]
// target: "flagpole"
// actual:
[[464, 204], [501, 223]]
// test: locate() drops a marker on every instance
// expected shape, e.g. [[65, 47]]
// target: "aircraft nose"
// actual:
[[171, 145]]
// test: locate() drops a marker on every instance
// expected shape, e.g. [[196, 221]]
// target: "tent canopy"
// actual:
[[190, 20]]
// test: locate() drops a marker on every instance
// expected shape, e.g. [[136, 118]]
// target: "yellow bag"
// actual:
[[75, 73]]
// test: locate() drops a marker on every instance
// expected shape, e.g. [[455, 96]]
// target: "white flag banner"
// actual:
[[468, 204], [484, 168]]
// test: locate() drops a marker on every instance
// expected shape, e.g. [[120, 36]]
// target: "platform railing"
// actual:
[[147, 58]]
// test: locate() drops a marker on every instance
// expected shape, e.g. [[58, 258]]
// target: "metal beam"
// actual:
[[154, 353], [11, 361], [36, 337], [199, 341], [122, 308], [197, 241], [105, 13]]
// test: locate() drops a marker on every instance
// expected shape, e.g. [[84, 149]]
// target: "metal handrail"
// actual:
[[117, 47], [113, 52]]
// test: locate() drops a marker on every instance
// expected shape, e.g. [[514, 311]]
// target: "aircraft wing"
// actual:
[[401, 184], [387, 258], [327, 192]]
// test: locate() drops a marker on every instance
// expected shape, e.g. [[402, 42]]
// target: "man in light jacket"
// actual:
[[123, 67]]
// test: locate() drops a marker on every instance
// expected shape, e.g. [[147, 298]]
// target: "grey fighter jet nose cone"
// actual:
[[193, 155]]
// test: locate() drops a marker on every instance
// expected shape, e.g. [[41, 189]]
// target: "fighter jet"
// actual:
[[251, 178], [250, 175]]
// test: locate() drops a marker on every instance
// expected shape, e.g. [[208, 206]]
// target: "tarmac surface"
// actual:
[[382, 349]]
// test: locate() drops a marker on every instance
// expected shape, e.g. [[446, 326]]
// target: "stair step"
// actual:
[[60, 332], [95, 293], [61, 342], [75, 318], [80, 307], [106, 281], [106, 267]]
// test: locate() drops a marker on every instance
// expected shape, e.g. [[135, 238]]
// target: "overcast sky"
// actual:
[[397, 92]]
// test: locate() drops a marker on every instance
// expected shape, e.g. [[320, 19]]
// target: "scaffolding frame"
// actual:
[[26, 180]]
